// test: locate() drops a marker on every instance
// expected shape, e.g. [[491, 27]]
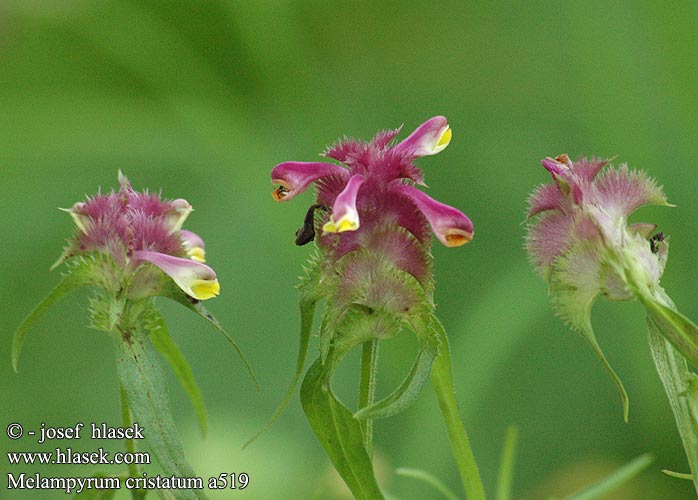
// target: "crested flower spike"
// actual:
[[374, 185], [130, 247], [371, 224], [580, 241], [582, 244], [133, 229]]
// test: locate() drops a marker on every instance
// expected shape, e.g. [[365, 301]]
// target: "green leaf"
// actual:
[[166, 494], [506, 469], [678, 475], [680, 387], [614, 480], [339, 433], [429, 479], [162, 341], [79, 274], [408, 391], [171, 291], [308, 303], [676, 328], [144, 383]]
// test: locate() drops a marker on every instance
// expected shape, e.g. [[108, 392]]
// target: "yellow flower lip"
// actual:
[[349, 222], [205, 289], [445, 138], [457, 237], [197, 253], [281, 190]]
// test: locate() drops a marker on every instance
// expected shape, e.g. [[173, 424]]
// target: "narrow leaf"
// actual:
[[145, 385], [429, 479], [505, 477], [171, 291], [680, 387], [676, 328], [166, 494], [339, 433], [308, 304], [408, 391], [77, 276], [614, 480], [162, 341], [588, 334], [677, 475]]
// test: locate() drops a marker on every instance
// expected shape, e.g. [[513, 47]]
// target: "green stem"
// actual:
[[442, 380], [127, 420], [367, 387]]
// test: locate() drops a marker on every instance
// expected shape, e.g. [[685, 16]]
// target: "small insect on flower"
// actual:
[[371, 200], [655, 241], [580, 242], [306, 233], [372, 224]]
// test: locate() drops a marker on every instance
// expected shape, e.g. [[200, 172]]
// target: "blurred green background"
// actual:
[[201, 99]]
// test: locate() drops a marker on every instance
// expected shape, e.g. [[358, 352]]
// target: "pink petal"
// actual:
[[430, 138], [344, 216], [294, 177], [195, 279], [451, 226], [558, 166]]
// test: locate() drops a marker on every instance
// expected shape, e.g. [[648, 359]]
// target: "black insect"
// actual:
[[306, 233], [655, 240]]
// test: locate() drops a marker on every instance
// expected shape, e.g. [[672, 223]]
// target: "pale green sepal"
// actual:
[[505, 476], [80, 273], [614, 480], [680, 385], [676, 328], [338, 432], [172, 291], [144, 383], [428, 478], [308, 303], [162, 341], [408, 391], [573, 294], [678, 475]]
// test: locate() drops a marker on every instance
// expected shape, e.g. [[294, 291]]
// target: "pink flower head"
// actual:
[[134, 228], [372, 190], [585, 211], [581, 243]]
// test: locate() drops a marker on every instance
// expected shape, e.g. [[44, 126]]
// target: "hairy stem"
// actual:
[[442, 380], [367, 387], [130, 443]]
